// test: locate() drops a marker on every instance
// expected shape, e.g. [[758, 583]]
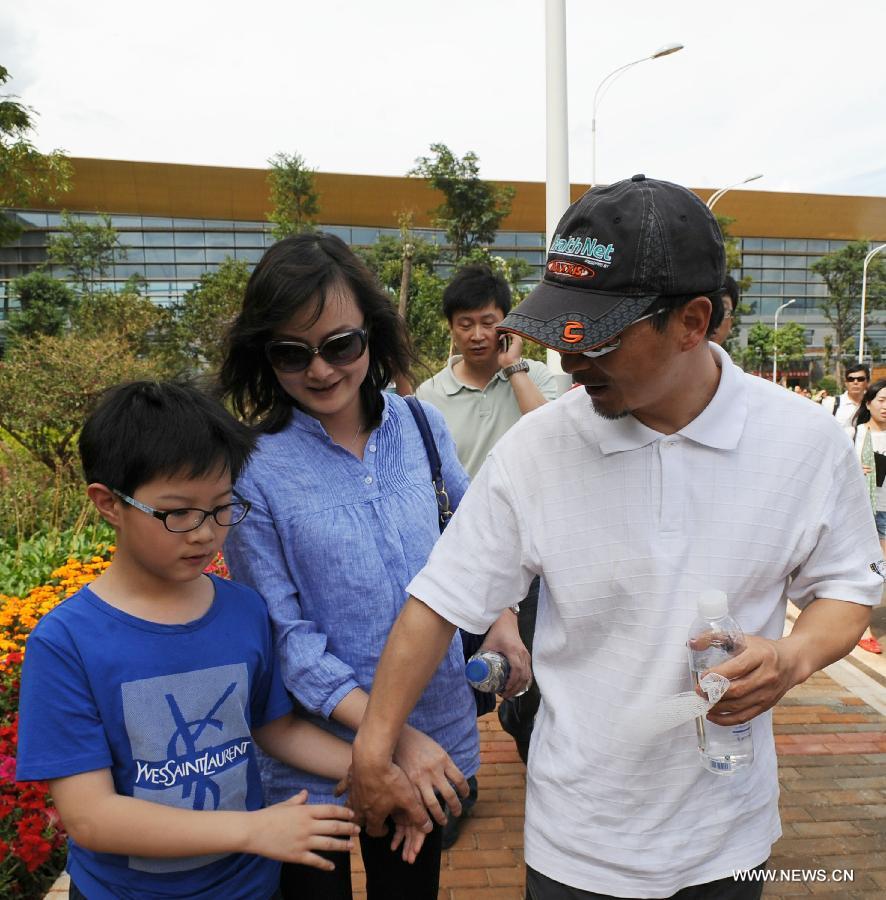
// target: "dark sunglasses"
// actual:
[[338, 350], [856, 378]]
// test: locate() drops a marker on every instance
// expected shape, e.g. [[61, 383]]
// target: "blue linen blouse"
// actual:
[[331, 542]]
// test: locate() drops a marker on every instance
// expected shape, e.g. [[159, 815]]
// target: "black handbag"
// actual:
[[470, 642]]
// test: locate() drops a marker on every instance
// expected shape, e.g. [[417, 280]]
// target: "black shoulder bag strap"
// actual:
[[470, 642], [424, 428]]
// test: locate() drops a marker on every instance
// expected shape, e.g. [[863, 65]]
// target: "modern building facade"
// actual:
[[177, 222]]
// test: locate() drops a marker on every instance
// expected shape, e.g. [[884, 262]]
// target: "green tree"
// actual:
[[294, 198], [87, 250], [842, 273], [127, 316], [26, 175], [424, 297], [790, 340], [48, 384], [759, 349], [205, 313], [44, 306], [473, 209]]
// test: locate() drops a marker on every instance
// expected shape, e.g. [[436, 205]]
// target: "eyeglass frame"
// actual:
[[856, 378], [615, 342], [317, 351], [162, 514]]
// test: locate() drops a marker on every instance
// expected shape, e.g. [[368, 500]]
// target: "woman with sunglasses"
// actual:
[[344, 514]]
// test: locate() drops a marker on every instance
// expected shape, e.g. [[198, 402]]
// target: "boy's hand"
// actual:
[[293, 832], [411, 837]]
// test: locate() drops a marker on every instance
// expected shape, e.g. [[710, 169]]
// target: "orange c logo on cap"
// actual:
[[573, 332]]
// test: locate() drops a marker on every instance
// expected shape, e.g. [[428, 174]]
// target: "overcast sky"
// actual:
[[795, 90]]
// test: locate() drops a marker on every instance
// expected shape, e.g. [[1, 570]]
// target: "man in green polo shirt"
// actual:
[[486, 387]]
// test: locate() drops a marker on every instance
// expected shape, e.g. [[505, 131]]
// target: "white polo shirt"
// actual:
[[761, 496]]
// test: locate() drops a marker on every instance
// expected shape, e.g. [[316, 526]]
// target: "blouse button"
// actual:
[[368, 479], [372, 448]]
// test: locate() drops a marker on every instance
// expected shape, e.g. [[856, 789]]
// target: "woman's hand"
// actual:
[[504, 638], [431, 771]]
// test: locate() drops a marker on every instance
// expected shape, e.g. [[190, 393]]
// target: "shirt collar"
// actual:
[[719, 425], [451, 385]]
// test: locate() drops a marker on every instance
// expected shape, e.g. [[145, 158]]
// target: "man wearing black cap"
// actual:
[[672, 472]]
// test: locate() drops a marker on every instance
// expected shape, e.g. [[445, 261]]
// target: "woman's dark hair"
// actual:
[[294, 274], [149, 429], [863, 414]]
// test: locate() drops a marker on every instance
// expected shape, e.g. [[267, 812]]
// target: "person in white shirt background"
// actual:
[[844, 406]]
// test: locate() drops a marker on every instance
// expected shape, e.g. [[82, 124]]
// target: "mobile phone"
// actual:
[[504, 342]]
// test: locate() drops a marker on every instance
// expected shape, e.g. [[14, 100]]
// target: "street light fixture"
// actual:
[[667, 50], [864, 290], [718, 194], [775, 340]]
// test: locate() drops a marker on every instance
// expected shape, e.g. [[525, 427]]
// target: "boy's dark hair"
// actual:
[[149, 429], [860, 367], [294, 274], [473, 287]]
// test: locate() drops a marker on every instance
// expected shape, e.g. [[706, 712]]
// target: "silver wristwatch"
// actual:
[[521, 366]]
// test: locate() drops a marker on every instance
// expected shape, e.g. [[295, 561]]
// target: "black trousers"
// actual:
[[540, 887], [387, 876], [517, 715]]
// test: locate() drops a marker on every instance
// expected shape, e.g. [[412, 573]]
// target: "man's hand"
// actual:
[[758, 678], [431, 771], [378, 790], [293, 832], [504, 638], [514, 352]]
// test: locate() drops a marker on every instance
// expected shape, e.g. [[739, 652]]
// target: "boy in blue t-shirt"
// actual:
[[144, 693]]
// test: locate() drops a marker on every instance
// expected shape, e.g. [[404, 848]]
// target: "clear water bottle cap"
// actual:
[[477, 670], [713, 604]]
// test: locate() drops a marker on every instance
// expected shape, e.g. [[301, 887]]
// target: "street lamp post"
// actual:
[[775, 340], [718, 194], [864, 289], [667, 50]]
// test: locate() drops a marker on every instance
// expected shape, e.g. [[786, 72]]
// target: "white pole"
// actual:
[[864, 289], [667, 50], [718, 194], [557, 129], [775, 340]]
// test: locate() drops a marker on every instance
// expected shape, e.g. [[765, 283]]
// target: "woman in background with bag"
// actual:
[[868, 432], [344, 514]]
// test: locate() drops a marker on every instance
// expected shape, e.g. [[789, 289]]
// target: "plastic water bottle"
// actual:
[[488, 671], [713, 638]]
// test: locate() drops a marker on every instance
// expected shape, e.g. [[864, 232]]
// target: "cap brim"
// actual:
[[571, 321]]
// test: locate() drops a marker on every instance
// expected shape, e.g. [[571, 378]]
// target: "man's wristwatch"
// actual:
[[521, 366]]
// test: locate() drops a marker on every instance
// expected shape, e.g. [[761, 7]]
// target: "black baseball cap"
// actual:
[[617, 250]]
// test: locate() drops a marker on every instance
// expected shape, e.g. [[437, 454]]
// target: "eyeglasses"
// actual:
[[856, 378], [338, 350], [615, 342], [178, 521]]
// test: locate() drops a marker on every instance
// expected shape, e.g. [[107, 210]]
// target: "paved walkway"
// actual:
[[832, 765]]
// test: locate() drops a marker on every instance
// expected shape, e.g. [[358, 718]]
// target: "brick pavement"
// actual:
[[832, 768]]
